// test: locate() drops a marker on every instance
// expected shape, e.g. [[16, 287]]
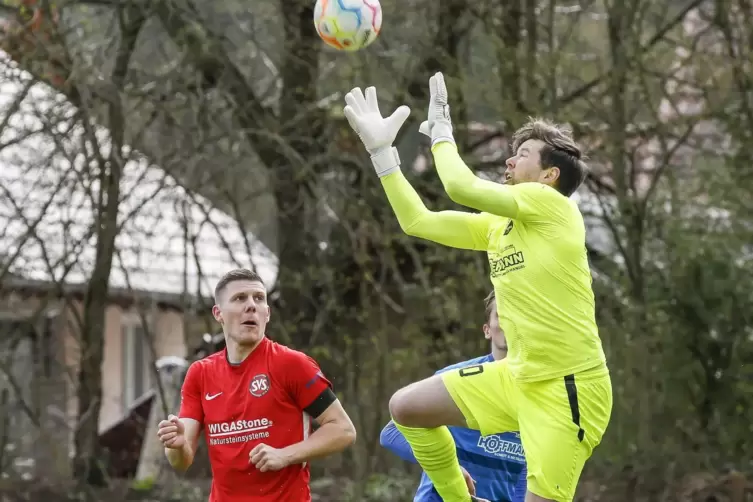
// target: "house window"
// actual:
[[137, 362]]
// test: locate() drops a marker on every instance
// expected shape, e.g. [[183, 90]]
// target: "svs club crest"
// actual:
[[259, 385]]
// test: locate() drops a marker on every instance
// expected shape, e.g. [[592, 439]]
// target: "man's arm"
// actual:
[[191, 415], [394, 441], [467, 189], [529, 202], [451, 228], [181, 459], [313, 394], [335, 433]]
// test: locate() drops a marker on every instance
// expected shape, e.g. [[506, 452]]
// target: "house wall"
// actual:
[[165, 328], [47, 385]]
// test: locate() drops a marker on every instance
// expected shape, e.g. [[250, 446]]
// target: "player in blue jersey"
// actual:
[[495, 463]]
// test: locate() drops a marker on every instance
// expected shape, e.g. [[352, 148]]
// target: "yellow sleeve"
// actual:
[[467, 189], [529, 202], [450, 228]]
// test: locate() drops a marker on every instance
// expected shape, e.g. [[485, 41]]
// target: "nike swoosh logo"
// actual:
[[209, 398]]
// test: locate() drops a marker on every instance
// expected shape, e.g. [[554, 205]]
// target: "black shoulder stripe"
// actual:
[[321, 403]]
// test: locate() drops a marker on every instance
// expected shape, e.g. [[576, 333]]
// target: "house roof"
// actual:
[[170, 241]]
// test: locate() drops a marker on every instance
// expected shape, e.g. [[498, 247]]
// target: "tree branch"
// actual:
[[653, 41]]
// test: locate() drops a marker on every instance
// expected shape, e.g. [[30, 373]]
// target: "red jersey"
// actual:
[[261, 400]]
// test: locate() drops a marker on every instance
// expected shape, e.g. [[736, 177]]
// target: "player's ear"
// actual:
[[269, 311], [217, 313], [487, 332], [552, 174]]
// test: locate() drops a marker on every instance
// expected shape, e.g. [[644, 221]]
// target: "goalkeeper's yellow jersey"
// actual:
[[535, 241]]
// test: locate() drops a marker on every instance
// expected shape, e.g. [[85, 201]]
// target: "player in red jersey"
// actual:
[[254, 400]]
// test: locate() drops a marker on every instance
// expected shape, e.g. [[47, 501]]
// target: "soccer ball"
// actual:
[[348, 25]]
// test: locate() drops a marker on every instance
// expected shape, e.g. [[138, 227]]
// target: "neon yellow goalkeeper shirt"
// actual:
[[535, 240]]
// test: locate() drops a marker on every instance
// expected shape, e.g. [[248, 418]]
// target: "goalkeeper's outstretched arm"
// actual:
[[467, 189], [452, 228]]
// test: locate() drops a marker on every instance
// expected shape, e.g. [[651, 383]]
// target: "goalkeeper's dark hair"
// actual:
[[489, 304], [560, 151], [238, 274]]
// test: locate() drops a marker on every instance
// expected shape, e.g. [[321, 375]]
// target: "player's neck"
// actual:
[[498, 354], [237, 353]]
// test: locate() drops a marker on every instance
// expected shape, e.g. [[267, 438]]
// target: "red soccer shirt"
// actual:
[[261, 400]]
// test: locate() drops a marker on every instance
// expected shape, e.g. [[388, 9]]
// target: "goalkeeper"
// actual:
[[554, 387]]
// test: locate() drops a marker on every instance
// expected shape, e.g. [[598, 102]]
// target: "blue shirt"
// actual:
[[496, 462]]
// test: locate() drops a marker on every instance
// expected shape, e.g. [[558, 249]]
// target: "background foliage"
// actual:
[[239, 105]]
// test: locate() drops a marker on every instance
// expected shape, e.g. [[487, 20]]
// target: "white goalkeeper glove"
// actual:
[[376, 132], [439, 125]]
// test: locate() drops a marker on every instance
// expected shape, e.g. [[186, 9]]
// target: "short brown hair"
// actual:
[[489, 304], [238, 274], [560, 151]]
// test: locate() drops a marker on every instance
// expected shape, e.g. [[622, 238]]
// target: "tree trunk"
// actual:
[[89, 378], [87, 458]]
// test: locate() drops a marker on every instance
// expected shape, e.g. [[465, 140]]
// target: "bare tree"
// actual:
[[240, 104]]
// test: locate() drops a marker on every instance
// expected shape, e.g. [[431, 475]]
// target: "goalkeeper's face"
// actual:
[[525, 165]]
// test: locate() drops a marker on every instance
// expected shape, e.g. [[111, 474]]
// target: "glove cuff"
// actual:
[[441, 132], [386, 161]]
